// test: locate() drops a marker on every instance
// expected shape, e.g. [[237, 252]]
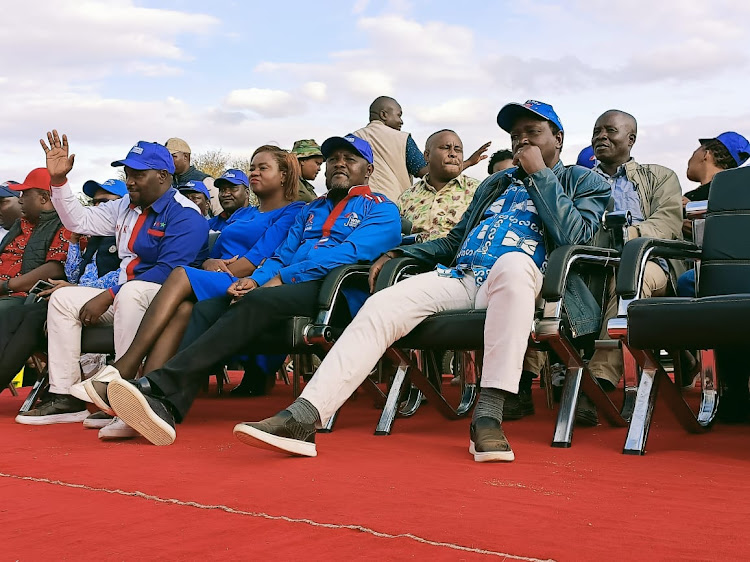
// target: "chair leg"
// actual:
[[630, 382], [39, 386], [640, 422], [467, 363], [566, 415], [297, 372], [385, 424], [709, 387], [12, 389], [328, 427]]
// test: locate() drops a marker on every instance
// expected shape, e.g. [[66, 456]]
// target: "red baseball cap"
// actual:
[[38, 178]]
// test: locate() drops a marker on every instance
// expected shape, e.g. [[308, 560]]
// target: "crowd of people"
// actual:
[[190, 270]]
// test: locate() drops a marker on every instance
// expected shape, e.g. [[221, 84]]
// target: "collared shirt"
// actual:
[[11, 259], [510, 224], [437, 212], [624, 193], [151, 242], [218, 222]]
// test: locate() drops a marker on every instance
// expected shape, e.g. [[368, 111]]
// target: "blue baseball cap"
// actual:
[[147, 156], [510, 112], [194, 185], [586, 158], [115, 187], [359, 145], [735, 143], [6, 191], [232, 176]]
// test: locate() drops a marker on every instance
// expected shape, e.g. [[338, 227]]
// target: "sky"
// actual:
[[231, 76]]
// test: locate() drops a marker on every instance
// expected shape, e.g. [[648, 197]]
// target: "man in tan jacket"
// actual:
[[653, 196], [397, 159]]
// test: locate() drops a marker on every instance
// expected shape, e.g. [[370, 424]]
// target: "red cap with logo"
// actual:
[[38, 178]]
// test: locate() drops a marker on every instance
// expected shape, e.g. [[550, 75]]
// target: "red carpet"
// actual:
[[413, 495]]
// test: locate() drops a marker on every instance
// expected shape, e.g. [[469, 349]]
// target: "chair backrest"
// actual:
[[725, 261]]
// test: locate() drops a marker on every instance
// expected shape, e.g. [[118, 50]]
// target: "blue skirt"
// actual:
[[209, 284]]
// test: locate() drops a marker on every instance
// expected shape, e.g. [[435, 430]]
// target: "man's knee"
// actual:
[[136, 293], [654, 281]]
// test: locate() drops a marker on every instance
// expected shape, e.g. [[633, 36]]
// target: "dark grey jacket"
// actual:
[[570, 201]]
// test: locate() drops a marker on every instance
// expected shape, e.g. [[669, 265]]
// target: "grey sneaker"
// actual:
[[97, 420], [279, 433], [146, 414], [488, 442], [55, 408]]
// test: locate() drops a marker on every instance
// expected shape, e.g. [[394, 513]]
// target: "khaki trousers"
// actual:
[[607, 363], [64, 326], [509, 295]]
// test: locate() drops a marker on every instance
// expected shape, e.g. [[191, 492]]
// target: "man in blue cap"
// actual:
[[156, 229], [197, 192], [497, 256], [234, 193], [349, 224], [587, 158], [10, 206]]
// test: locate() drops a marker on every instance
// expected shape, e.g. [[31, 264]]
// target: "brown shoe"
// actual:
[[488, 442]]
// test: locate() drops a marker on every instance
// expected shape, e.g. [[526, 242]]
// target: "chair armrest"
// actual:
[[395, 267], [562, 259], [408, 240], [636, 254], [696, 210], [335, 279]]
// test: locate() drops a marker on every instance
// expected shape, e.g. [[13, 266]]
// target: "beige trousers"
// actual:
[[64, 326], [509, 295], [607, 363]]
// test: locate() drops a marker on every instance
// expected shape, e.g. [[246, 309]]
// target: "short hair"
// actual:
[[722, 158], [436, 133], [379, 104], [288, 164], [624, 114], [499, 156]]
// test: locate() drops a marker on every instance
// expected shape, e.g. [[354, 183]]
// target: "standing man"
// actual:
[[653, 196], [310, 160], [10, 206], [156, 230], [36, 246], [497, 255], [349, 224], [396, 156], [234, 193], [184, 171]]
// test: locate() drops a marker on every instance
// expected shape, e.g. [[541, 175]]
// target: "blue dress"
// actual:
[[248, 233]]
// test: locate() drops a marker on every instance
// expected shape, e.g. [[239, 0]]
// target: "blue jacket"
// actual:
[[359, 228], [570, 200]]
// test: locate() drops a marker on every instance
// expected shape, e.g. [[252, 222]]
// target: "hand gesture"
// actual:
[[477, 156], [59, 164], [529, 157], [93, 309], [241, 287], [56, 284]]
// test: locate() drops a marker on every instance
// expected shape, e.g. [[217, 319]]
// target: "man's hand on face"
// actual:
[[59, 163], [529, 157], [93, 310]]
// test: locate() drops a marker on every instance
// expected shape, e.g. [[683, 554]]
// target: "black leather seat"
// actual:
[[715, 320]]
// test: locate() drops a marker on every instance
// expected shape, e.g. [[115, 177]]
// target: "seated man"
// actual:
[[156, 228], [498, 253], [436, 203], [349, 225], [10, 206], [310, 160], [184, 171], [234, 193], [36, 246], [652, 194], [197, 192]]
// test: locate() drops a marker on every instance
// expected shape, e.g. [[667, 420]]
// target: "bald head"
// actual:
[[613, 138], [387, 110], [444, 154]]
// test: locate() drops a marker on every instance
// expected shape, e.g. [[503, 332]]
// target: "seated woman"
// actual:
[[250, 236]]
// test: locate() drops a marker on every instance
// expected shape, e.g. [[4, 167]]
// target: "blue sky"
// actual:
[[235, 75]]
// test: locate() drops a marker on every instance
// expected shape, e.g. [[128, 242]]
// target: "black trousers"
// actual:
[[257, 313], [21, 334]]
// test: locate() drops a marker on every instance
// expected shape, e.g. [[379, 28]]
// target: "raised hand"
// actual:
[[477, 156], [59, 163]]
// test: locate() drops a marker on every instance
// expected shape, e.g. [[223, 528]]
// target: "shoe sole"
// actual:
[[491, 456], [262, 440], [96, 424], [71, 417], [132, 408], [96, 399], [122, 434]]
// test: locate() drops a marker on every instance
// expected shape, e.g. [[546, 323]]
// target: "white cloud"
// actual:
[[265, 102], [317, 91]]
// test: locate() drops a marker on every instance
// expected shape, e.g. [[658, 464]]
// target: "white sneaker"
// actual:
[[105, 375], [117, 429]]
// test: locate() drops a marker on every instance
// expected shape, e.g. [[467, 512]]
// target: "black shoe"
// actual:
[[488, 442], [133, 403], [690, 370], [55, 408], [97, 420], [586, 412], [518, 405], [254, 384], [279, 433]]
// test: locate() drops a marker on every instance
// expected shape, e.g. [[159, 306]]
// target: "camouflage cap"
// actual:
[[306, 148]]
